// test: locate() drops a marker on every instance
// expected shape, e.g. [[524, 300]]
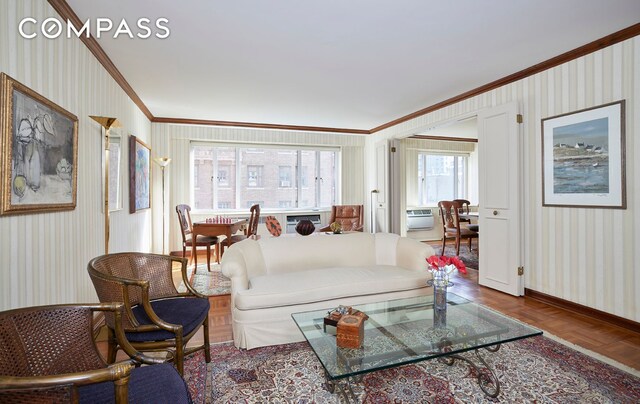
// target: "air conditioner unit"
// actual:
[[420, 219]]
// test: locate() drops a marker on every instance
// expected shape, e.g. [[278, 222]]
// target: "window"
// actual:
[[441, 177], [285, 177], [235, 177], [254, 176], [251, 203], [223, 179]]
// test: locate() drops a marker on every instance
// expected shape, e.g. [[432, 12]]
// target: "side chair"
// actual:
[[156, 316], [48, 355], [186, 227], [464, 208], [251, 230], [451, 229]]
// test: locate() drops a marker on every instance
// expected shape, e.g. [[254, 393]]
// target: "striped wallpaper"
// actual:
[[43, 257], [174, 141], [587, 256]]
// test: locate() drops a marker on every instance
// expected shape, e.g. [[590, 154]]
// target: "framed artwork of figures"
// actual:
[[39, 152]]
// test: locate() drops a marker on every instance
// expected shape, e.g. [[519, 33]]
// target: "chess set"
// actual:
[[219, 219]]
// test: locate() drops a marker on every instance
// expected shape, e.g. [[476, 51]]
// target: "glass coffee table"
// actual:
[[403, 331]]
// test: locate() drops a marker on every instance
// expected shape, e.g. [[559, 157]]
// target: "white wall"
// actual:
[[588, 256], [174, 141], [44, 256]]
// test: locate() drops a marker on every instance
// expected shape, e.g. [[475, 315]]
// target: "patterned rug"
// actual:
[[470, 258], [532, 370], [209, 283]]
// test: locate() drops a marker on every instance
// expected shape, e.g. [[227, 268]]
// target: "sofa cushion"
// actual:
[[315, 285], [294, 254]]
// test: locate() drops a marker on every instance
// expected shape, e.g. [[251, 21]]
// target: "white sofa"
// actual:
[[272, 278]]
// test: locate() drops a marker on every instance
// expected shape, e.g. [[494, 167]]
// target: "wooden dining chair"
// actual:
[[451, 225], [184, 217], [251, 230], [464, 209]]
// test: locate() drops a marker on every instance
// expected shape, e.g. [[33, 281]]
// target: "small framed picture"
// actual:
[[39, 152], [583, 158], [139, 175]]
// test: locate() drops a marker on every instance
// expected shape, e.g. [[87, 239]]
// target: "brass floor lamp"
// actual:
[[107, 123], [163, 162]]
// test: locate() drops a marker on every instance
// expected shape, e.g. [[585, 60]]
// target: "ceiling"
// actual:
[[334, 63]]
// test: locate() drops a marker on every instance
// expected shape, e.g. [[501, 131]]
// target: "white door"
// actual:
[[381, 198], [500, 204]]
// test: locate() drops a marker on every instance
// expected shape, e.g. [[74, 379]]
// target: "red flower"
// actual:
[[436, 261], [457, 262]]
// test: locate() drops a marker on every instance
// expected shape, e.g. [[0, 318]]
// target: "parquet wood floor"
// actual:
[[617, 343]]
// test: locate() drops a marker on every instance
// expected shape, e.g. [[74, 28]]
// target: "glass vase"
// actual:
[[440, 283]]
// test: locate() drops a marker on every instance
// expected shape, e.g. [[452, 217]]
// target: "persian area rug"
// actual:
[[209, 283], [470, 258], [532, 370]]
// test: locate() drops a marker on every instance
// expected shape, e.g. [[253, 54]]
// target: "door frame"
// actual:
[[521, 162]]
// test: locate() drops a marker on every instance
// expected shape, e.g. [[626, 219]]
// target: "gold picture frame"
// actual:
[[39, 152]]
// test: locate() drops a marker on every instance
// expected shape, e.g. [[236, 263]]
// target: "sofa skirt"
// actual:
[[275, 326]]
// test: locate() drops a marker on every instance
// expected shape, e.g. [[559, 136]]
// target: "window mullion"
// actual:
[[214, 178], [319, 180], [238, 178], [298, 177]]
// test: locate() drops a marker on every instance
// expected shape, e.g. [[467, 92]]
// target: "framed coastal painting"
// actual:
[[139, 175], [583, 158], [39, 152]]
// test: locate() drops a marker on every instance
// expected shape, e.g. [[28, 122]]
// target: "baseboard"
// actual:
[[583, 310], [179, 253]]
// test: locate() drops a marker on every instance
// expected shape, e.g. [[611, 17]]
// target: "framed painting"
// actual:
[[139, 175], [39, 152], [116, 159], [583, 158]]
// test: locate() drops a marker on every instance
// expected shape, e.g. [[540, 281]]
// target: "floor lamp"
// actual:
[[107, 123], [163, 162]]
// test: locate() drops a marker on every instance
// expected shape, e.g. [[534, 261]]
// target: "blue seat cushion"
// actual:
[[189, 312], [148, 384]]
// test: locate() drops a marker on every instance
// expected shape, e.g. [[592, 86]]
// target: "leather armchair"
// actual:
[[351, 217]]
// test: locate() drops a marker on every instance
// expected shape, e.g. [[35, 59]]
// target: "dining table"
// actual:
[[215, 228], [471, 215]]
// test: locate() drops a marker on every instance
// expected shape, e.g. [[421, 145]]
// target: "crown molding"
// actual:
[[591, 47], [66, 12], [205, 122]]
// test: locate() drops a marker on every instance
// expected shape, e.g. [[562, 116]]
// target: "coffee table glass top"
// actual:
[[409, 330]]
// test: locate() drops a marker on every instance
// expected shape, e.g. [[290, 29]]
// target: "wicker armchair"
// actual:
[[48, 355], [156, 317]]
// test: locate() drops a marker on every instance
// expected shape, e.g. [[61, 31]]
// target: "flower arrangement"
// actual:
[[448, 263], [441, 266]]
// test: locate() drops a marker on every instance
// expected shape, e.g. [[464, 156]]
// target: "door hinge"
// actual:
[[519, 118], [520, 271], [393, 149]]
